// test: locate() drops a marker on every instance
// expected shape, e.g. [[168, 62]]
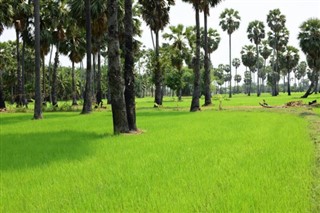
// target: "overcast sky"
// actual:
[[296, 11]]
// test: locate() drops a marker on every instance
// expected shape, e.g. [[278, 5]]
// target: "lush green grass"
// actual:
[[211, 161]]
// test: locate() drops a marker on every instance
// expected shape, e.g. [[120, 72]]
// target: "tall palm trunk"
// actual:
[[23, 91], [54, 85], [230, 93], [19, 77], [37, 106], [2, 102], [207, 80], [128, 68], [74, 91], [288, 84], [99, 92], [195, 103], [158, 75], [43, 79], [257, 66], [119, 113], [87, 103]]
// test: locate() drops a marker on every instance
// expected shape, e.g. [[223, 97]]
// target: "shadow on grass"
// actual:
[[23, 151]]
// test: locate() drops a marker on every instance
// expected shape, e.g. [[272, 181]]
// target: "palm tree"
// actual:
[[87, 104], [277, 39], [38, 99], [59, 14], [179, 51], [74, 47], [205, 7], [300, 71], [310, 44], [255, 34], [195, 103], [128, 68], [22, 11], [249, 59], [119, 113], [236, 63], [156, 16], [230, 22], [290, 59]]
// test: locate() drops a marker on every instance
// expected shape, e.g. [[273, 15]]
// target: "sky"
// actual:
[[296, 12]]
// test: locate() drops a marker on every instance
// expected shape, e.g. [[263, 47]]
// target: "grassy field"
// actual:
[[240, 159]]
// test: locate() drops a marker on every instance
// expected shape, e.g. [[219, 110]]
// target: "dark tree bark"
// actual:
[[207, 77], [119, 113], [87, 103], [289, 89], [257, 66], [23, 92], [158, 76], [37, 105], [195, 103], [74, 91], [128, 68]]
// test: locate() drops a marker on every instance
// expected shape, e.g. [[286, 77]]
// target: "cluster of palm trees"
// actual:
[[84, 28]]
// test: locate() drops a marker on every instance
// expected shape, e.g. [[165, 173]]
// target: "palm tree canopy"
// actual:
[[280, 39], [276, 21], [156, 13], [248, 55], [309, 37], [230, 20], [206, 4], [5, 15], [236, 62], [265, 50], [256, 31], [213, 39], [290, 57]]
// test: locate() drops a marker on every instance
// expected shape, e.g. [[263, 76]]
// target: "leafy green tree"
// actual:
[[230, 22], [278, 38], [255, 34], [249, 59], [37, 106], [309, 38], [156, 16], [290, 59], [117, 87], [236, 63]]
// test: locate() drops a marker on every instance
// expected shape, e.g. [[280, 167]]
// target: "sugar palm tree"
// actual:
[[129, 67], [300, 71], [309, 40], [230, 22], [74, 47], [249, 59], [119, 113], [178, 43], [38, 99], [236, 63], [276, 21], [195, 103], [255, 34], [205, 7], [156, 16], [290, 59]]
